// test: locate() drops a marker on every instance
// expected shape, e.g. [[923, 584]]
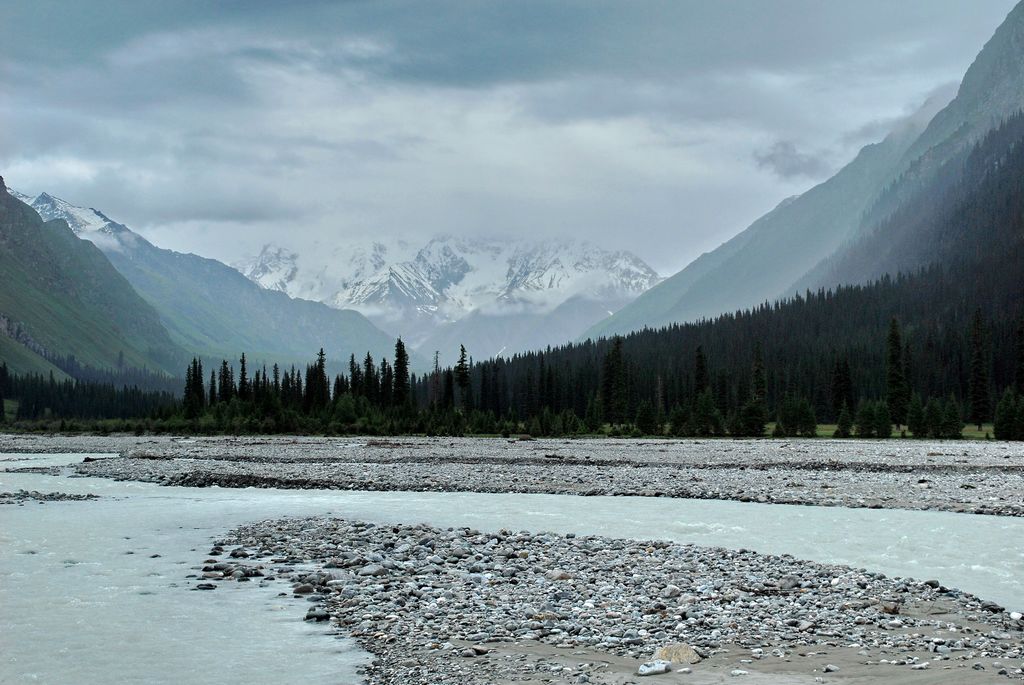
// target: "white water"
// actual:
[[76, 608]]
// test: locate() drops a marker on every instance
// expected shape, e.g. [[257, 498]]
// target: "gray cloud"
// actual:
[[663, 127], [784, 159]]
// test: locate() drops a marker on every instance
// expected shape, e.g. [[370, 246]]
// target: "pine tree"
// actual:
[[807, 422], [613, 385], [371, 382], [916, 418], [844, 426], [979, 403], [677, 419], [753, 414], [225, 383], [1018, 371], [883, 421], [1006, 417], [864, 423], [897, 394], [647, 419], [462, 379], [448, 401], [701, 379], [244, 391], [842, 386], [933, 412], [707, 419], [952, 420], [401, 387]]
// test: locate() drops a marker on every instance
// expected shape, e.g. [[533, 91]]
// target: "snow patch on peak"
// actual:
[[82, 220], [448, 277]]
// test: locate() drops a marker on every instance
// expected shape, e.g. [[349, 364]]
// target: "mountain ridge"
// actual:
[[212, 310]]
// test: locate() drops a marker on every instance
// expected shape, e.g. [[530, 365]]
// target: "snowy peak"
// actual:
[[449, 277], [273, 268], [86, 222], [81, 220]]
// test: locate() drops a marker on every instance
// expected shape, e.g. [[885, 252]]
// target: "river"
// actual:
[[85, 598]]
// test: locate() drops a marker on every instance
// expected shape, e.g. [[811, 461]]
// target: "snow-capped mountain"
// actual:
[[415, 291]]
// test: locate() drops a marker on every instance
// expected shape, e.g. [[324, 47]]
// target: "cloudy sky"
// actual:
[[662, 127]]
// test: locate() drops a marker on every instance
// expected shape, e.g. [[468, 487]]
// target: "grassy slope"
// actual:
[[21, 360], [70, 299]]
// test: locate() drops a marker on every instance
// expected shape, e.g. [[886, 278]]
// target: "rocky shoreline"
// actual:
[[966, 477], [22, 496], [463, 606]]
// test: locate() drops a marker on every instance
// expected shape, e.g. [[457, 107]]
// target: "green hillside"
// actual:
[[62, 299]]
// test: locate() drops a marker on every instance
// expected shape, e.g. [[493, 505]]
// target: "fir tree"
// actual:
[[1006, 417], [952, 420], [371, 381], [753, 414], [225, 382], [462, 379], [883, 421], [864, 423], [979, 403], [647, 419], [844, 426], [244, 391], [701, 379], [1018, 371], [807, 422], [448, 401], [677, 419], [915, 417], [613, 385], [355, 376], [842, 386], [707, 419], [897, 394], [401, 386], [933, 412]]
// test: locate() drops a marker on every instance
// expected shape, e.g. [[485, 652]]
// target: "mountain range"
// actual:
[[790, 248], [493, 295], [205, 306]]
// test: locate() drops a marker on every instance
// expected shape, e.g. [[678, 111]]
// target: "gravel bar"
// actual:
[[981, 477], [463, 606]]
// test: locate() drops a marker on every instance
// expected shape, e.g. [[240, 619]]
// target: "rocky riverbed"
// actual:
[[23, 496], [983, 477], [464, 606]]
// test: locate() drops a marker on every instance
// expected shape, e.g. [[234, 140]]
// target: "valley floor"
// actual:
[[438, 604], [983, 477]]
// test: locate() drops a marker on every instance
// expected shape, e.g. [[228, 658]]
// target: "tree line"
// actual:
[[543, 395]]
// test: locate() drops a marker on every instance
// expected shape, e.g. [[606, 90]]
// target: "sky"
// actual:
[[664, 128]]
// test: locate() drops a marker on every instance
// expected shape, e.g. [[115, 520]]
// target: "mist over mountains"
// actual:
[[788, 249], [493, 295]]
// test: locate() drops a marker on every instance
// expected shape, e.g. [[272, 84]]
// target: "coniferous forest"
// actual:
[[922, 353]]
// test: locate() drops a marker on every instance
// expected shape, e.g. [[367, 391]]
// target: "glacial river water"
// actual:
[[84, 598]]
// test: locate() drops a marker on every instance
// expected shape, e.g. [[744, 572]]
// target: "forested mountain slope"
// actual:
[[967, 255]]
